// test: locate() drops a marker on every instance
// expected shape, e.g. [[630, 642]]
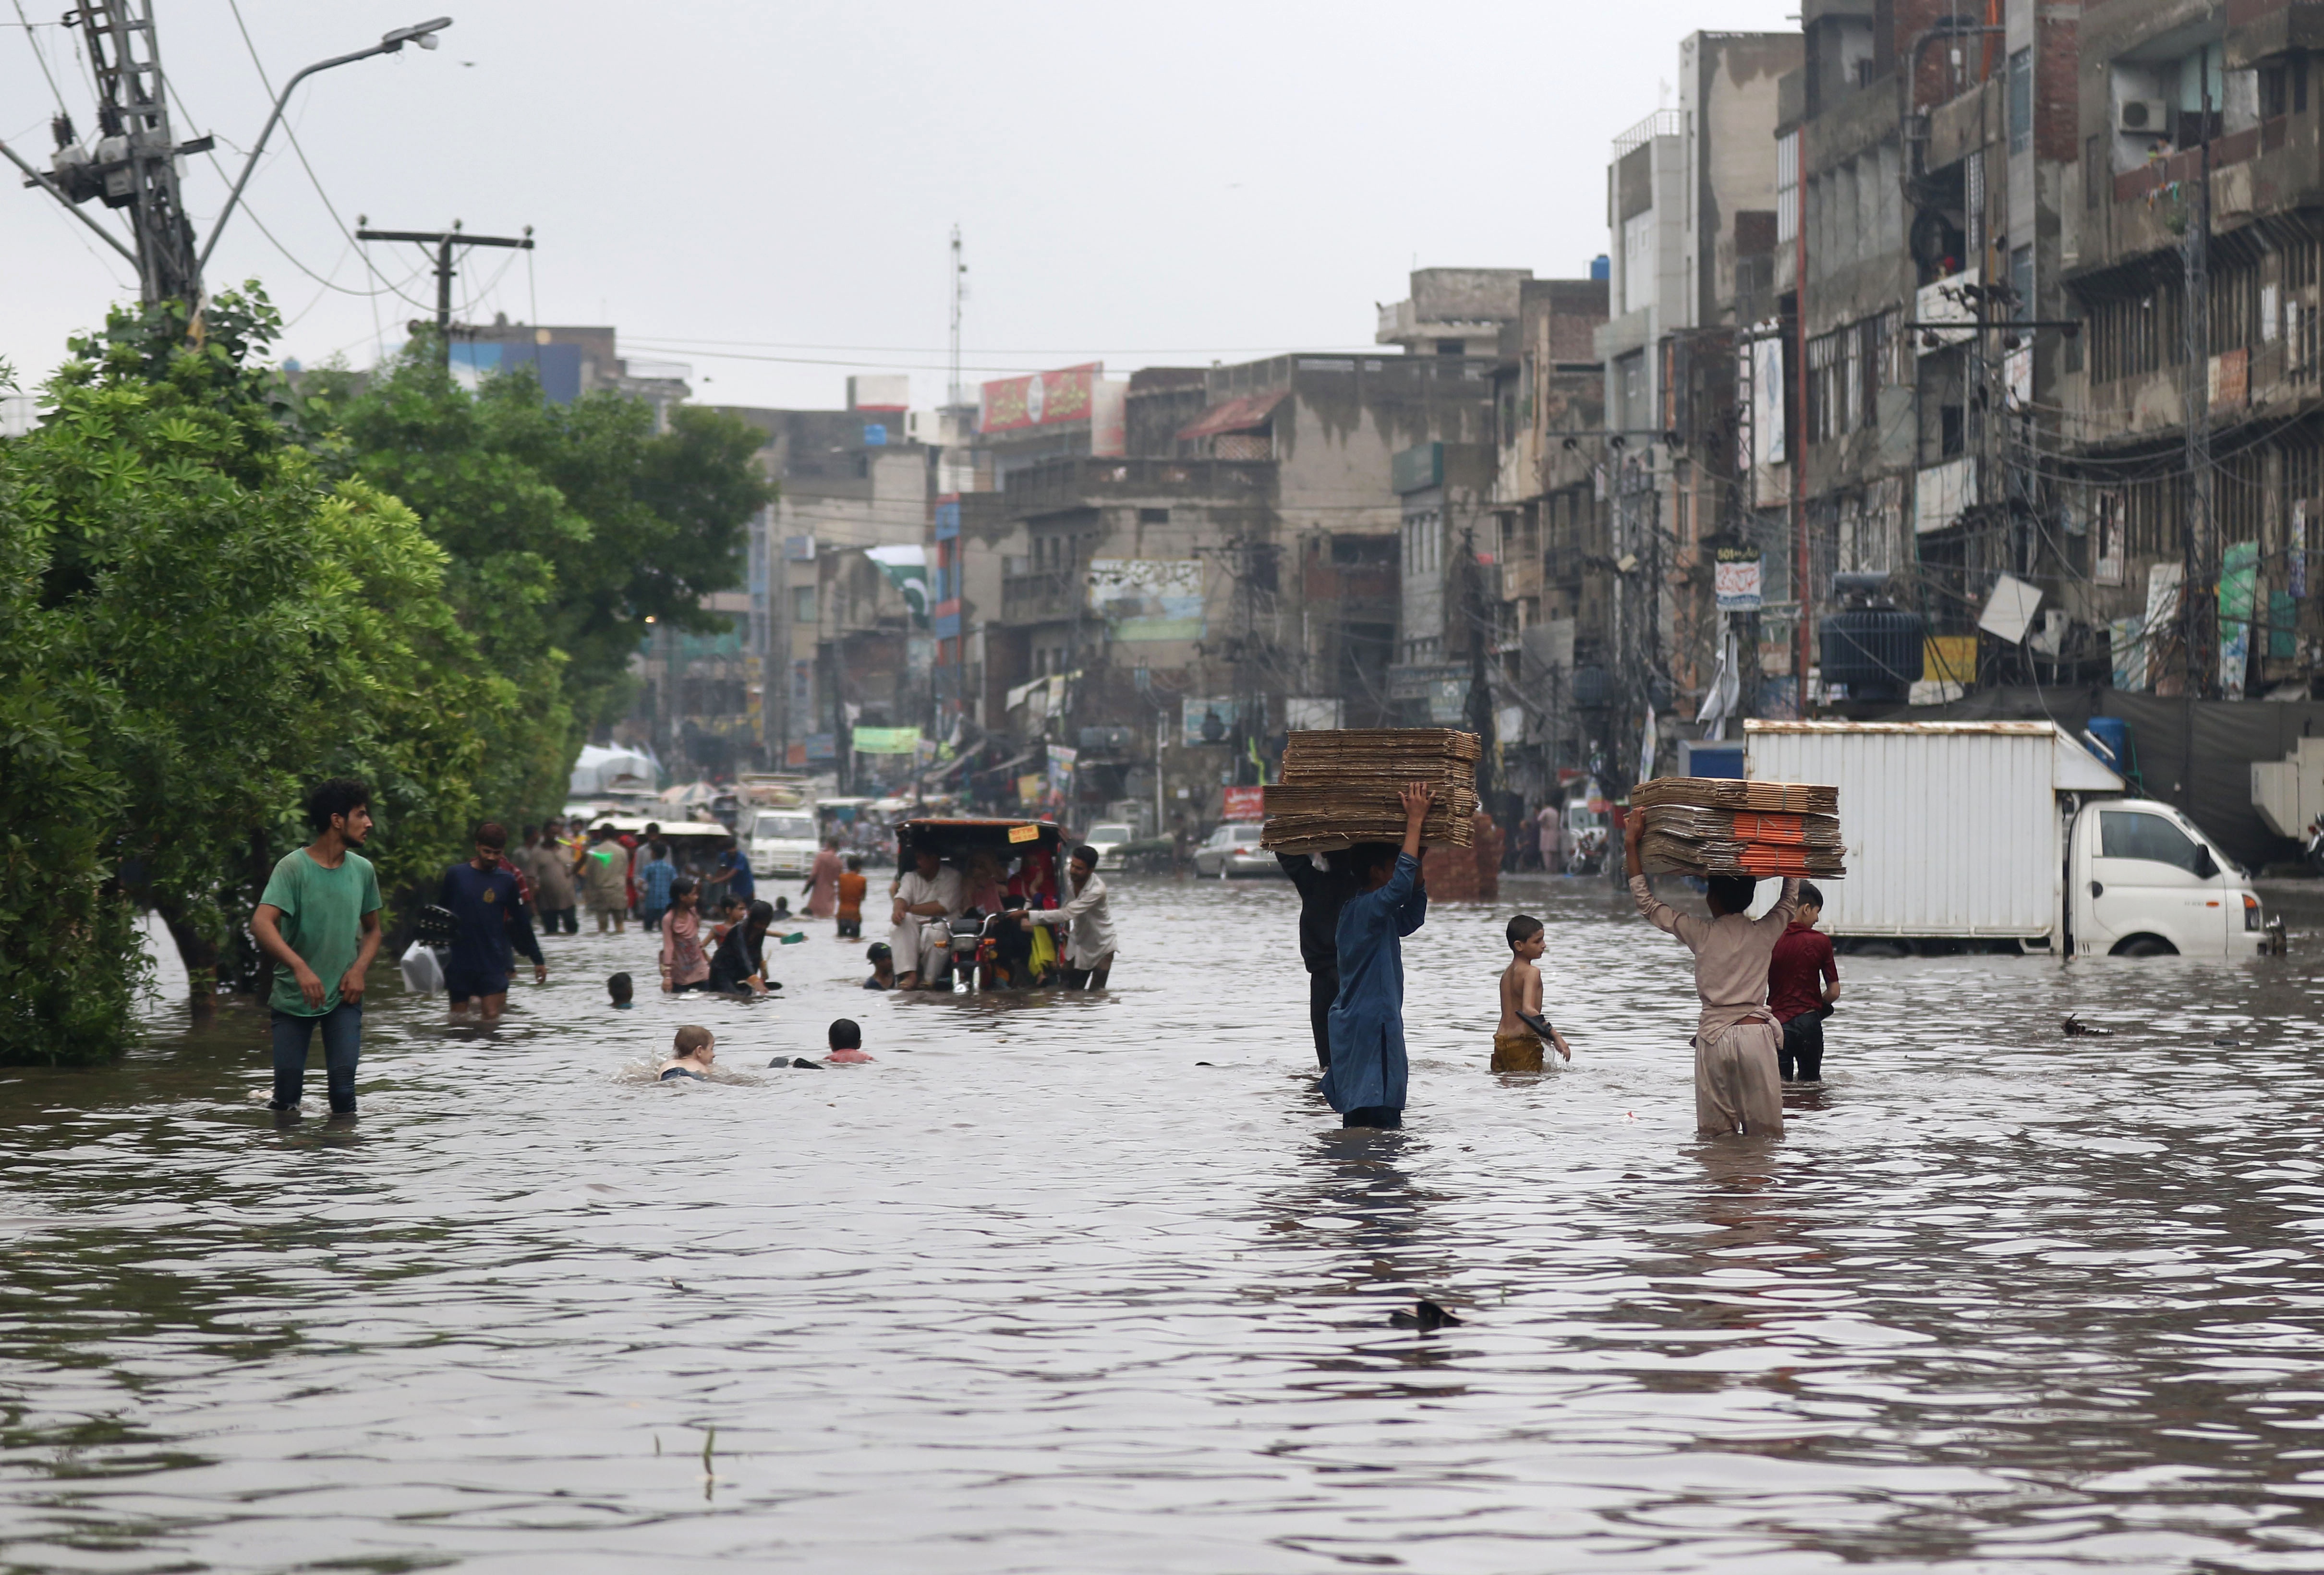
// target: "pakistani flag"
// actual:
[[907, 568]]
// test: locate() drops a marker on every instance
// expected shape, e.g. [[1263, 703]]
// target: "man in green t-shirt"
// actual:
[[318, 919]]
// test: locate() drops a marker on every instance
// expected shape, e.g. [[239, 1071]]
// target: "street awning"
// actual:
[[1237, 415]]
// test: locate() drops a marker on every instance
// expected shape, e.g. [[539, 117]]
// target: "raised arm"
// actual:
[[1659, 913]]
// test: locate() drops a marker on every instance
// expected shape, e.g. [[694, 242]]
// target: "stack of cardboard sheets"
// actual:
[[1339, 787], [1708, 825]]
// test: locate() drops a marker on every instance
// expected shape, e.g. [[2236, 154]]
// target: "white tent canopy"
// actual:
[[599, 769]]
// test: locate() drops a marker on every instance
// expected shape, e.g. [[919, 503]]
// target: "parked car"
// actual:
[[1233, 850], [1119, 848]]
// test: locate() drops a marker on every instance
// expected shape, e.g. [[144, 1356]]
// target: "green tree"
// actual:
[[569, 527], [195, 624]]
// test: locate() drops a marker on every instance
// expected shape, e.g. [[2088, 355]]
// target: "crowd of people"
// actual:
[[1766, 985]]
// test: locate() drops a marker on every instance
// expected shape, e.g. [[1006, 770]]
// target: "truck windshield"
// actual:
[[794, 828], [2125, 833]]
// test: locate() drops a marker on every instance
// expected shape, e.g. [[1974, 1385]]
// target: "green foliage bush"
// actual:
[[195, 623]]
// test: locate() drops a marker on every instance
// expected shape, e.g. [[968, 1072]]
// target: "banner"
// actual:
[[2238, 584], [1735, 578], [1061, 771], [886, 740], [1145, 599], [1044, 398], [1243, 804]]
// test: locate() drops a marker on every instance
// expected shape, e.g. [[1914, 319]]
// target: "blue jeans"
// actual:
[[342, 1028]]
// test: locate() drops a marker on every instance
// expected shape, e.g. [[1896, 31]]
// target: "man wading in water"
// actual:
[[1737, 1088], [1365, 1081], [318, 919]]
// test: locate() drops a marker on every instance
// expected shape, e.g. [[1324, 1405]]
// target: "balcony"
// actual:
[[1041, 597]]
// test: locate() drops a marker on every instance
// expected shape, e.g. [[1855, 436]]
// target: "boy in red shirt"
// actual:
[[1803, 981]]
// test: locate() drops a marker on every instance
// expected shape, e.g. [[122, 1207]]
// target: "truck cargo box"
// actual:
[[1953, 828]]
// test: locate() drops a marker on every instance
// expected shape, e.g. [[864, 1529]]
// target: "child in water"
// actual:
[[883, 966], [846, 1043], [619, 987], [1516, 1039], [692, 1052], [852, 886]]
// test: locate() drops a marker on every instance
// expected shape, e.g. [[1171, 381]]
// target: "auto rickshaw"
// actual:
[[976, 956]]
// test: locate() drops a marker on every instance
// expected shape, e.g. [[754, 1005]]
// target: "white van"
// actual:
[[783, 841]]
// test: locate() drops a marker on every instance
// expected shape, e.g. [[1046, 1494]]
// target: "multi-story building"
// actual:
[[2195, 421], [1548, 560], [1688, 206], [837, 640], [1234, 564]]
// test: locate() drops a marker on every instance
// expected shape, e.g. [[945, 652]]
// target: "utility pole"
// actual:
[[134, 163], [444, 241], [137, 157], [2195, 259]]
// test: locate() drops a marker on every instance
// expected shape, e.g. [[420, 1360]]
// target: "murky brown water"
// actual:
[[1039, 1291]]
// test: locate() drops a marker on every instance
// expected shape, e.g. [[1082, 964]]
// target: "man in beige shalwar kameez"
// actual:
[[1737, 1085]]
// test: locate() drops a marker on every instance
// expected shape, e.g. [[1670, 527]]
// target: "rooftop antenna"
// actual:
[[959, 294]]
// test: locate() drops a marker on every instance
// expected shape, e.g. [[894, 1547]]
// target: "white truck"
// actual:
[[1986, 835]]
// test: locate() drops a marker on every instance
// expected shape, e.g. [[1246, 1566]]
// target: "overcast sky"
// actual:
[[764, 189]]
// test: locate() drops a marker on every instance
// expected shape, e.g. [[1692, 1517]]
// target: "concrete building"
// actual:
[[1549, 559], [1690, 193], [2196, 436], [837, 643]]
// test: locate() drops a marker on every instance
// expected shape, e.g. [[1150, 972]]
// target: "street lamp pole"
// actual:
[[423, 34]]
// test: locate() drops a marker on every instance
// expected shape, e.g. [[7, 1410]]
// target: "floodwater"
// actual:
[[1095, 1283]]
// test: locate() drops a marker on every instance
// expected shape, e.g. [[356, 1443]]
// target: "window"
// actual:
[[2094, 170], [802, 604], [2127, 834], [2021, 101], [2021, 282], [1788, 187], [1154, 516]]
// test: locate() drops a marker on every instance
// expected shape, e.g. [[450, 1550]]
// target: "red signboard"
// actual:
[[1244, 803], [1044, 398]]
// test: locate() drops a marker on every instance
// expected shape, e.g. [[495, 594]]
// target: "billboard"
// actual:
[[1147, 598], [1042, 398]]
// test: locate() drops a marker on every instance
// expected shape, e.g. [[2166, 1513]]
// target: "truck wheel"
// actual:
[[2144, 946]]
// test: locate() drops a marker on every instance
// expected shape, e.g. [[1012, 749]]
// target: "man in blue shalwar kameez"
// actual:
[[1366, 1078]]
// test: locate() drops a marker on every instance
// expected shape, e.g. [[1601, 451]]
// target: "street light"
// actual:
[[423, 34]]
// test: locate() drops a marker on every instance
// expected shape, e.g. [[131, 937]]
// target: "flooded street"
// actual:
[[1097, 1284]]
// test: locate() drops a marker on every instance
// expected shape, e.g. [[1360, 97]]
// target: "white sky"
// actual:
[[1135, 183]]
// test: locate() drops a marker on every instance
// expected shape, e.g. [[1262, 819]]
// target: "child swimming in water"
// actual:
[[692, 1050], [846, 1042], [619, 987], [883, 966]]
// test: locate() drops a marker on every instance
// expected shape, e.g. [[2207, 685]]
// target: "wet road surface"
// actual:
[[1040, 1290]]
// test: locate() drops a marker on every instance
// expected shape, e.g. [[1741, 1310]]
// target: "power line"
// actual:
[[38, 55]]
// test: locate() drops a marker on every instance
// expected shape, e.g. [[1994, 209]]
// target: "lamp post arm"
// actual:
[[53, 189], [250, 165]]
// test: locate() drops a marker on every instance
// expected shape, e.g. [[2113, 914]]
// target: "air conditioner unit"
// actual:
[[2143, 117]]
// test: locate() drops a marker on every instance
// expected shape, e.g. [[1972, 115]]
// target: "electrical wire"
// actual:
[[40, 55], [298, 148]]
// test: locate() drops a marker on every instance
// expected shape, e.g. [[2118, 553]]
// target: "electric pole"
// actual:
[[444, 241], [133, 163], [136, 163]]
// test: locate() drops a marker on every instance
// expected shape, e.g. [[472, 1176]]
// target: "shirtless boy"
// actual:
[[1516, 1039]]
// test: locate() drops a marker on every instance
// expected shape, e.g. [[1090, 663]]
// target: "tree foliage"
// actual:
[[196, 621], [568, 526]]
